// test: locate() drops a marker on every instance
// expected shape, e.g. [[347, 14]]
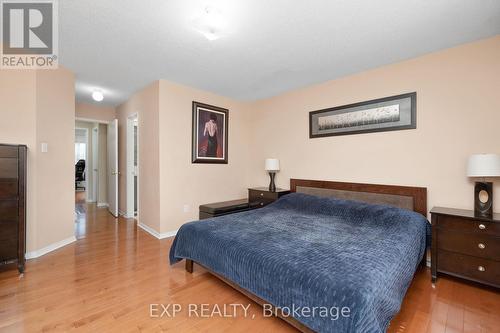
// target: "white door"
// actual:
[[95, 162], [113, 167]]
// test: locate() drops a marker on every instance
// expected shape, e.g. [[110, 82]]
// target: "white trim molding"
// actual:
[[102, 205], [125, 215], [50, 248], [155, 233], [90, 120], [131, 169]]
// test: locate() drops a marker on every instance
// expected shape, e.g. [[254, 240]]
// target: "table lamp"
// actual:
[[482, 166], [272, 166]]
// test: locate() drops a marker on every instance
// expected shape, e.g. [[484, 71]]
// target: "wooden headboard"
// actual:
[[402, 196]]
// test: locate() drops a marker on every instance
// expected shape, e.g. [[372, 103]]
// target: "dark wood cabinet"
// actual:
[[223, 208], [13, 205], [261, 196], [466, 246], [257, 198]]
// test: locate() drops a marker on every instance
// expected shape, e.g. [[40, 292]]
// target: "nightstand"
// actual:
[[261, 196], [223, 208], [466, 246]]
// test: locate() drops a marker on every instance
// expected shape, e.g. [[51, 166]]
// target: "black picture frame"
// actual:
[[199, 148], [410, 117]]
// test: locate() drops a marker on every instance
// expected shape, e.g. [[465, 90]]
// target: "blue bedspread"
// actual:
[[306, 252]]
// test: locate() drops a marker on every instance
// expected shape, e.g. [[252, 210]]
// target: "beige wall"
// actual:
[[94, 112], [184, 183], [146, 104], [33, 103], [168, 180], [18, 126], [55, 169], [458, 114]]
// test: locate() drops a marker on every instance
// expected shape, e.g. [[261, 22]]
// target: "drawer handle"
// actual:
[[482, 226], [481, 246], [262, 204], [481, 268], [262, 194]]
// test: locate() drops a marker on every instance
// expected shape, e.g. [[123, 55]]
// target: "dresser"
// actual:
[[466, 246], [12, 205], [261, 196]]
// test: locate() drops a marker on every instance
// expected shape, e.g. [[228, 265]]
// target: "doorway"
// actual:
[[91, 152], [132, 165], [81, 161], [96, 144]]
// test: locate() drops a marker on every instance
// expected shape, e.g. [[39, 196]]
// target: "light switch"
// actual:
[[186, 208], [45, 147]]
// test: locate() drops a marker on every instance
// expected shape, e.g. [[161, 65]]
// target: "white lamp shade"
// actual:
[[272, 164], [484, 165]]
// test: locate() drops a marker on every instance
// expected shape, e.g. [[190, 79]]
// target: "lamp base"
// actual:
[[272, 186], [483, 199]]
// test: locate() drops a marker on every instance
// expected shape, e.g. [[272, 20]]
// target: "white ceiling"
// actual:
[[269, 47]]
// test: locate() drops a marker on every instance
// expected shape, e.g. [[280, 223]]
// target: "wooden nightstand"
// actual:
[[466, 246], [261, 196]]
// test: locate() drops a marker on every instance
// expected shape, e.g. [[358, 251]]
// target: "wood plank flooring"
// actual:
[[106, 281]]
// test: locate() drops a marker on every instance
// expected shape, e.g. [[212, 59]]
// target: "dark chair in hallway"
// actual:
[[79, 173]]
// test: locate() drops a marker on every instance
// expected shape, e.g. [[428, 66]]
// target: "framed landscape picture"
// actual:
[[384, 114], [210, 133]]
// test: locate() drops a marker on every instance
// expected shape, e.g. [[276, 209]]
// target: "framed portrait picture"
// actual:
[[210, 133], [384, 114]]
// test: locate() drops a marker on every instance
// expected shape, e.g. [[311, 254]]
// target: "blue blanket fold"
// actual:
[[305, 252]]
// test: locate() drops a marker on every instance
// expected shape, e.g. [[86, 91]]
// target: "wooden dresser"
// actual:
[[466, 246], [12, 205]]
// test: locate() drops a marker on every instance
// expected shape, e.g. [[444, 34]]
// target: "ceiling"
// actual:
[[267, 48]]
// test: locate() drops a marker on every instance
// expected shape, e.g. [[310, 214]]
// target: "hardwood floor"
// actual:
[[107, 280]]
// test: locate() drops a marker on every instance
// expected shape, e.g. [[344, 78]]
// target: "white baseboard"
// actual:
[[50, 248], [155, 233], [102, 204], [125, 215], [90, 201]]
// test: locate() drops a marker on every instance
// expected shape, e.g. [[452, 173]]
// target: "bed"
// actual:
[[326, 247]]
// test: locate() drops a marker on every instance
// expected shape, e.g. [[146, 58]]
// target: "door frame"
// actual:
[[87, 151], [113, 169], [131, 120], [105, 203], [95, 163]]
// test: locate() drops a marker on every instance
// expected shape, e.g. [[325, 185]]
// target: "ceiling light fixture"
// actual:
[[97, 95], [210, 23]]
